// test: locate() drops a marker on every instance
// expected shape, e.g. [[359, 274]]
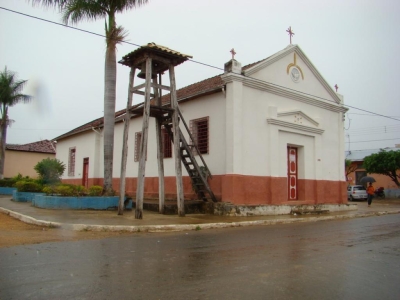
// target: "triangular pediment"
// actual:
[[295, 120], [290, 68], [298, 117]]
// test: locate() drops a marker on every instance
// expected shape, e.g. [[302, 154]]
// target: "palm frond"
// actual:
[[124, 5], [49, 3], [116, 35], [10, 90], [77, 10]]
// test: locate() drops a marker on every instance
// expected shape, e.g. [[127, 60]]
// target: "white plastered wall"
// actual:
[[276, 73], [264, 145], [87, 144], [211, 106]]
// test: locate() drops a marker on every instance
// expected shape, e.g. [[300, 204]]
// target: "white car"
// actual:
[[356, 192]]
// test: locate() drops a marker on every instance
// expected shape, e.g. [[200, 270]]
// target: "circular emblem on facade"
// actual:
[[295, 74]]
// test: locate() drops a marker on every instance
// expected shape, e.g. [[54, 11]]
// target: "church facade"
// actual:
[[270, 132]]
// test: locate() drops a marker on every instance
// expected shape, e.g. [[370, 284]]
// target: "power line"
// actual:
[[353, 142], [93, 33], [369, 115], [204, 64], [60, 24], [371, 149], [13, 128], [375, 130]]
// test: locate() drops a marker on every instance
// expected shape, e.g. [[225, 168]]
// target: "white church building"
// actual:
[[271, 133]]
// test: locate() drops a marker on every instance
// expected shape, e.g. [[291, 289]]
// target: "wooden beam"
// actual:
[[153, 85], [159, 86], [125, 145], [143, 145], [142, 93], [138, 87], [160, 153], [176, 131]]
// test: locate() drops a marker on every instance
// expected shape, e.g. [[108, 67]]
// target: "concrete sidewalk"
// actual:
[[93, 220]]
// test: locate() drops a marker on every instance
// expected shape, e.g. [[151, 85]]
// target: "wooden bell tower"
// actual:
[[153, 60]]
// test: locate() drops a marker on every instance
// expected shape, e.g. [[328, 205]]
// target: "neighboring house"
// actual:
[[357, 159], [270, 132], [21, 159]]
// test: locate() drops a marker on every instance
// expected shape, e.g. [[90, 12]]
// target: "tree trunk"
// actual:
[[110, 78], [125, 144], [3, 138]]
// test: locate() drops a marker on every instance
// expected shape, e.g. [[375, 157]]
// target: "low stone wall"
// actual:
[[228, 209], [24, 196], [392, 193], [7, 190], [97, 203]]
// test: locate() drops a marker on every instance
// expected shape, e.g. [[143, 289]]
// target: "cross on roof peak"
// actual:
[[233, 53], [336, 87], [291, 33]]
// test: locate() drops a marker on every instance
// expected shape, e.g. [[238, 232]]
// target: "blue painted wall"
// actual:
[[24, 196], [99, 203], [7, 190]]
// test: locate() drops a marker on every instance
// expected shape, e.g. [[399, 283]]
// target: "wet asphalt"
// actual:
[[155, 222]]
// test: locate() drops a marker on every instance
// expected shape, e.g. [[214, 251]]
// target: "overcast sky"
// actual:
[[353, 43]]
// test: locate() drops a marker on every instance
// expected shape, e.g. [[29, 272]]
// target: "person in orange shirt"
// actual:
[[370, 192]]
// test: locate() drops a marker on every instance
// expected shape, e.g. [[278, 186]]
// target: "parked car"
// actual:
[[356, 192]]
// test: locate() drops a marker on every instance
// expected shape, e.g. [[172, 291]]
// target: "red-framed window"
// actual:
[[199, 129]]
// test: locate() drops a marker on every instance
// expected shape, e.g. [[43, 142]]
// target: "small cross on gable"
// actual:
[[233, 53], [291, 33], [336, 87]]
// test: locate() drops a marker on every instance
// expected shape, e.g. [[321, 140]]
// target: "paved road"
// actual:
[[341, 259]]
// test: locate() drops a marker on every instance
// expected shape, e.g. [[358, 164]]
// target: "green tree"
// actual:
[[50, 170], [385, 163], [349, 167], [75, 11], [10, 94]]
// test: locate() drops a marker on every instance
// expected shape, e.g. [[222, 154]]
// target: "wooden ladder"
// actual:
[[197, 173]]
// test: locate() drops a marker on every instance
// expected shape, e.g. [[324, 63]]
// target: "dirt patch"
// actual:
[[14, 232]]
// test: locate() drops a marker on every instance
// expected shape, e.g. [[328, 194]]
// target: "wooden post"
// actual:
[[143, 144], [178, 164], [160, 153], [125, 144]]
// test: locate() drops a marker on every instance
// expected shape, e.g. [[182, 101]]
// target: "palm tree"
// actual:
[[75, 11], [10, 94]]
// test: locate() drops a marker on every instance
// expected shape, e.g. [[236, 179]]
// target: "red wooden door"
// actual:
[[85, 172], [292, 173]]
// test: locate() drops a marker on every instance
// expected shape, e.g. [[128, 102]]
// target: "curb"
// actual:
[[182, 227], [30, 220]]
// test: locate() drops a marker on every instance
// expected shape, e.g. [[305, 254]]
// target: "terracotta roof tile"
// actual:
[[44, 146], [196, 89], [131, 59]]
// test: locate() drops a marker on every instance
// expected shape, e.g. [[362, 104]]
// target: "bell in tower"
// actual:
[[142, 73]]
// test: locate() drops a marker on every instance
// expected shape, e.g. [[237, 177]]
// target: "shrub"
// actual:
[[50, 170], [7, 182], [95, 190], [28, 186], [49, 190], [79, 190], [64, 190], [10, 182]]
